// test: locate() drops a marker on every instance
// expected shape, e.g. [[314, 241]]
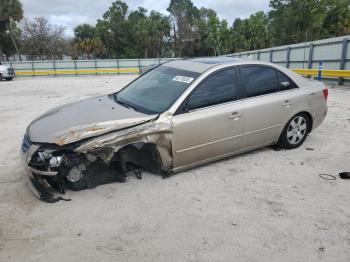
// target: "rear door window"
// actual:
[[259, 80], [218, 88]]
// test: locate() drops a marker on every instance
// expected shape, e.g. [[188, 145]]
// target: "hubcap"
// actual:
[[296, 130]]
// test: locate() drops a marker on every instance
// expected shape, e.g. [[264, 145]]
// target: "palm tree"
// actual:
[[162, 30], [143, 35], [11, 11], [90, 46]]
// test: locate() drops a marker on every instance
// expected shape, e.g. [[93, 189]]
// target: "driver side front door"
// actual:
[[211, 127]]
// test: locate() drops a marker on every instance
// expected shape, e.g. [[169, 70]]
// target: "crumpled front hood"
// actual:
[[86, 118]]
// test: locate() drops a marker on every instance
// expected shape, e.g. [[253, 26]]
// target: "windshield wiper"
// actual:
[[123, 103]]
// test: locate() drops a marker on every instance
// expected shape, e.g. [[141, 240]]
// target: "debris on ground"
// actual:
[[322, 228], [301, 163], [327, 177], [321, 249], [344, 175], [277, 148]]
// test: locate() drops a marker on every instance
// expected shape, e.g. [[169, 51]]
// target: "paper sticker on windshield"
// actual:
[[183, 79]]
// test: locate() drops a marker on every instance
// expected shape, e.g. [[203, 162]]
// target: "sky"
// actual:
[[71, 13]]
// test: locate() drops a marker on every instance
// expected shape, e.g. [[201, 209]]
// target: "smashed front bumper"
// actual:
[[104, 159], [37, 179], [42, 189], [50, 185]]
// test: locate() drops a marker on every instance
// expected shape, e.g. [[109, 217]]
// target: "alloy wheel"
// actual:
[[297, 130]]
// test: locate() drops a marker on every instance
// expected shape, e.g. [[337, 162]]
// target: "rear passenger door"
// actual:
[[268, 104]]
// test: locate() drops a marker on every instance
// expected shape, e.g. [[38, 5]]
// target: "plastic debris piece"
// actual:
[[327, 177]]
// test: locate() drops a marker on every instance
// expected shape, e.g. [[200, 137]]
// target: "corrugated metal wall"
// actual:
[[81, 67], [334, 53]]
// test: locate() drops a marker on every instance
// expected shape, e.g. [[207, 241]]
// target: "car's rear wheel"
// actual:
[[295, 132], [9, 78], [0, 77]]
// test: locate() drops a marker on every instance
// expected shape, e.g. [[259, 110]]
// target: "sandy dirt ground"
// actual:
[[265, 205]]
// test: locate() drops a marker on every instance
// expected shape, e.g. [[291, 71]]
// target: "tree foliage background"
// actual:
[[187, 31]]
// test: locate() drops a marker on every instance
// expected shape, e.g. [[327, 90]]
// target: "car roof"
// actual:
[[200, 65]]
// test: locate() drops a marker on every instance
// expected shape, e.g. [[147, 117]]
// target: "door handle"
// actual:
[[287, 103], [235, 115]]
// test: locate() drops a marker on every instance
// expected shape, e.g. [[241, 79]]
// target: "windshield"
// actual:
[[157, 90]]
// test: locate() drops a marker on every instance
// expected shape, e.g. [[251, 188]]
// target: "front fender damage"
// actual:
[[105, 158]]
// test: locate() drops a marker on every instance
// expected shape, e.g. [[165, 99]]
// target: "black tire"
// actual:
[[295, 131], [0, 77], [9, 78]]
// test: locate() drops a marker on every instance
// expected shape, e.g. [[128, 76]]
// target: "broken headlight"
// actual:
[[26, 143], [55, 161]]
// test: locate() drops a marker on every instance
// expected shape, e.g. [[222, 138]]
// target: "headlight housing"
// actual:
[[26, 143]]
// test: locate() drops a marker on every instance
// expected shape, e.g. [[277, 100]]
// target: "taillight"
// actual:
[[325, 93]]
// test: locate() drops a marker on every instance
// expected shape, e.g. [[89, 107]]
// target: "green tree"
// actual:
[[207, 26], [11, 11], [135, 48], [84, 31], [132, 34], [258, 31], [90, 47], [202, 46], [238, 34], [113, 29], [184, 15], [142, 35], [87, 42], [160, 28], [224, 38], [137, 15], [213, 37], [251, 33], [337, 19], [150, 32], [294, 21], [190, 31]]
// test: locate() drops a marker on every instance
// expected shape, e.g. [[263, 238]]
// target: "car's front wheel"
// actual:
[[295, 132]]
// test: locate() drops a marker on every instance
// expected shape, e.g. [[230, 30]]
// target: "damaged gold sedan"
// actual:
[[178, 115]]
